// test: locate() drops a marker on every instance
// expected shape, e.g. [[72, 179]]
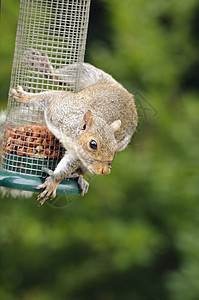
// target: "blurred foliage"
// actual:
[[135, 235], [9, 16]]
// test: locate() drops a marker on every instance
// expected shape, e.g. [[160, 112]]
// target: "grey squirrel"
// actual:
[[93, 124]]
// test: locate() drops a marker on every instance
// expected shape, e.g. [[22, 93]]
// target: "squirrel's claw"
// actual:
[[41, 186], [18, 95], [83, 185], [49, 192]]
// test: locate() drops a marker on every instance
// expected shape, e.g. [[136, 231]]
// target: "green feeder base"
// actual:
[[28, 183]]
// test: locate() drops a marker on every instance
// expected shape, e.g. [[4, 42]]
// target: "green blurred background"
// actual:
[[135, 235]]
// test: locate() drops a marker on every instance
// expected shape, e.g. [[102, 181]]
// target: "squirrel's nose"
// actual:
[[105, 170]]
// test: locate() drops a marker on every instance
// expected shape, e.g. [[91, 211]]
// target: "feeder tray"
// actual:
[[51, 36], [28, 183]]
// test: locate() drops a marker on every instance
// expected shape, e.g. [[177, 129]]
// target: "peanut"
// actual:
[[19, 142], [33, 141], [10, 148], [21, 151], [29, 141], [30, 152], [48, 151], [39, 148], [37, 141]]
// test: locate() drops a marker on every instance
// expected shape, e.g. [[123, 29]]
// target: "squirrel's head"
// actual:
[[98, 143]]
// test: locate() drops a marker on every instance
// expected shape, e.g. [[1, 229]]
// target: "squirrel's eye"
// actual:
[[93, 144]]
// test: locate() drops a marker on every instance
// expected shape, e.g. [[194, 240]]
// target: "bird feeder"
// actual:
[[51, 34]]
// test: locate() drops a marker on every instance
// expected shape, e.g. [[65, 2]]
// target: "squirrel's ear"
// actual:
[[87, 120], [116, 125]]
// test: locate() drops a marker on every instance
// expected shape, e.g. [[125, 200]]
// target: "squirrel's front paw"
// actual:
[[83, 185], [50, 187], [19, 95]]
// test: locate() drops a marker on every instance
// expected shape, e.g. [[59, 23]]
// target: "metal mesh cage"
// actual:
[[49, 52]]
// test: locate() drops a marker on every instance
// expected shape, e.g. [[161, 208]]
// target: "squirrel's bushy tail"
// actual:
[[67, 74]]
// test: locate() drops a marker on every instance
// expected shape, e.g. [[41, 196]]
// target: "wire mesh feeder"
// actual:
[[51, 35]]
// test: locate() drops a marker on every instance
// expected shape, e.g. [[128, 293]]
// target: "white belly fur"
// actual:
[[66, 141]]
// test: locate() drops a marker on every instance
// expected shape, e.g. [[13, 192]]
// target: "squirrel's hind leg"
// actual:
[[20, 95]]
